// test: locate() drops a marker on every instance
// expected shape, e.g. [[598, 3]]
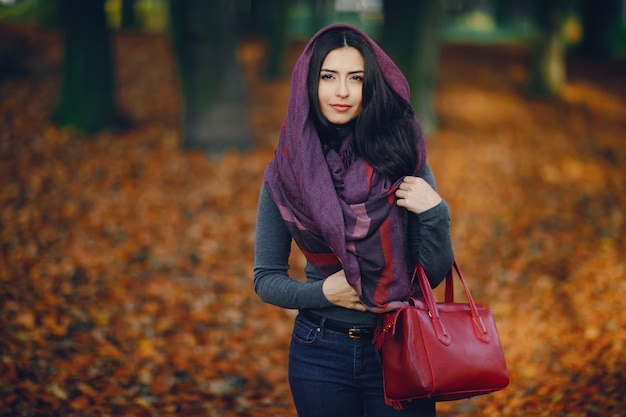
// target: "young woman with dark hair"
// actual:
[[384, 134], [349, 182]]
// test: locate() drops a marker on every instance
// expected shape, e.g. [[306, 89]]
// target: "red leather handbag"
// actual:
[[443, 351]]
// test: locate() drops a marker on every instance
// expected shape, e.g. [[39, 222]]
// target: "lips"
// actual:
[[341, 107]]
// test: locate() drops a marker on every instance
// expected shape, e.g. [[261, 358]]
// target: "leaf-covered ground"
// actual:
[[126, 264]]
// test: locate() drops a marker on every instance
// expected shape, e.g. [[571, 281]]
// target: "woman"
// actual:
[[349, 182]]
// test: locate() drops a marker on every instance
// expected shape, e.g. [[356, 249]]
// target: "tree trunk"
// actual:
[[275, 32], [129, 16], [547, 66], [268, 18], [87, 95], [321, 11], [598, 19], [411, 36], [205, 38]]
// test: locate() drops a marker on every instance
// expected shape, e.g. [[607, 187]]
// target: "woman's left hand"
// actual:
[[417, 195]]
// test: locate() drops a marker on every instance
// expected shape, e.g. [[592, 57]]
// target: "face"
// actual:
[[340, 88]]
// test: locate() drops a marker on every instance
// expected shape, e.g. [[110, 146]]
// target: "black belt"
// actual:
[[353, 331]]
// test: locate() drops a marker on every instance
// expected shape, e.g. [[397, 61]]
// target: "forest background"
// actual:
[[126, 256]]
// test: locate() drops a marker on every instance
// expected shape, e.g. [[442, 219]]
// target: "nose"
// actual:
[[342, 89]]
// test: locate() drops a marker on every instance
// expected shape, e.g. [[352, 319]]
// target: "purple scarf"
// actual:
[[340, 212]]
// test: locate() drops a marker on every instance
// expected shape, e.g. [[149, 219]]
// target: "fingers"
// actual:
[[353, 301], [359, 307], [407, 185], [408, 181], [339, 292], [404, 189], [416, 195], [402, 193]]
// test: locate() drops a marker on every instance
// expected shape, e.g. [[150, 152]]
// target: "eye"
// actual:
[[357, 78], [326, 77]]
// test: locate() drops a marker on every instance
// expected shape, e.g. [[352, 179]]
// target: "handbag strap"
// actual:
[[429, 297], [449, 287], [449, 294]]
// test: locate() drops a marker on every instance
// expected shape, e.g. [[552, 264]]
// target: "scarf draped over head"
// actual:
[[341, 213]]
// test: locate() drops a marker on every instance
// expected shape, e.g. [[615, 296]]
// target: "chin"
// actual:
[[340, 120]]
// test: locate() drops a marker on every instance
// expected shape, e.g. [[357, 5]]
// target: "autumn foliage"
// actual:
[[126, 263]]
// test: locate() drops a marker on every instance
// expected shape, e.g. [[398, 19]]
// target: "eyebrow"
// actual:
[[335, 72]]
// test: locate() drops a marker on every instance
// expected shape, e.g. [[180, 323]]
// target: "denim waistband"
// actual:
[[353, 331]]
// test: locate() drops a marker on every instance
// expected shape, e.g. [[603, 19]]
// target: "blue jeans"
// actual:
[[333, 375]]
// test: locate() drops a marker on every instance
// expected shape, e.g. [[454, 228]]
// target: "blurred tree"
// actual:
[[598, 19], [129, 15], [268, 18], [39, 12], [547, 64], [321, 10], [87, 94], [410, 34], [205, 36], [507, 13]]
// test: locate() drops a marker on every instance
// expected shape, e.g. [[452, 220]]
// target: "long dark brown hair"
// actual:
[[384, 131]]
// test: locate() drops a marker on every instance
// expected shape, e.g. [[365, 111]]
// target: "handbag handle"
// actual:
[[479, 326]]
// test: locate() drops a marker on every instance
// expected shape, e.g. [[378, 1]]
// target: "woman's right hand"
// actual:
[[339, 292]]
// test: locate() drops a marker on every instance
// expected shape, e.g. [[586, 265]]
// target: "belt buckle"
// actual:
[[354, 333]]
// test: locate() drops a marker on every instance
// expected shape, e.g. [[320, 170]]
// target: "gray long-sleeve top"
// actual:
[[428, 239]]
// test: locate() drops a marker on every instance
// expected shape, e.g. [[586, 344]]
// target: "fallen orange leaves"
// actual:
[[126, 264]]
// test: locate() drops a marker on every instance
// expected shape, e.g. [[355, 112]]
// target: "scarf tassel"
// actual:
[[384, 330], [397, 405]]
